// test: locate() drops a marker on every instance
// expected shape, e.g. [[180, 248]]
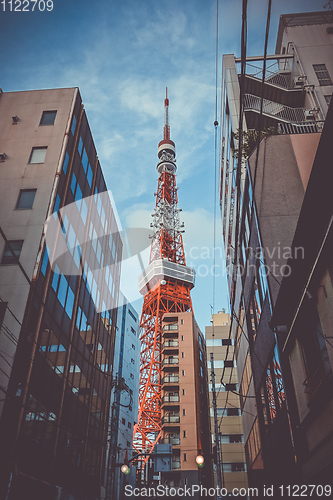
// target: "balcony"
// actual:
[[175, 441], [170, 343], [176, 464], [170, 398], [172, 360], [171, 326], [170, 379], [171, 418]]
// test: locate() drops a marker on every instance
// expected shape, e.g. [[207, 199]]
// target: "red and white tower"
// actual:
[[166, 285]]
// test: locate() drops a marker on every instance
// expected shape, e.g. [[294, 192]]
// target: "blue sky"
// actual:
[[122, 54]]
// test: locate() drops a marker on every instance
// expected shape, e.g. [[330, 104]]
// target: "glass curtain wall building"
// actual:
[[124, 399], [60, 287]]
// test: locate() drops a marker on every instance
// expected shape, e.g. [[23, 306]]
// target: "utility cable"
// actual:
[[262, 91]]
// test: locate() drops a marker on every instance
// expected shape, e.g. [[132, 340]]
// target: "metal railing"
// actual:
[[171, 419], [171, 440], [299, 128], [172, 326], [276, 110], [170, 379], [170, 398], [278, 74], [170, 361], [170, 343]]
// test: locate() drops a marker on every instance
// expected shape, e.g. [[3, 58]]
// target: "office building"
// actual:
[[124, 398], [230, 430], [59, 288], [261, 200]]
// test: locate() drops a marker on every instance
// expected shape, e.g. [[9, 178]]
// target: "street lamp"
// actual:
[[125, 469], [200, 461]]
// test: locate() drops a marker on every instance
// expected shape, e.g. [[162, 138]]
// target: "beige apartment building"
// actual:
[[232, 454], [185, 419]]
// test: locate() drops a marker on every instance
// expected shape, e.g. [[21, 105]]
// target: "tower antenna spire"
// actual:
[[166, 134]]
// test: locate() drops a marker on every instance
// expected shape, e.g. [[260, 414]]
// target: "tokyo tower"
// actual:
[[166, 285]]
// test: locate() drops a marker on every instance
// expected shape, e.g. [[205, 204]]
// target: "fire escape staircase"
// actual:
[[282, 104]]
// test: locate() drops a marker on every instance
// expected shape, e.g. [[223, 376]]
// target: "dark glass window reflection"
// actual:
[[26, 199], [48, 118], [7, 256]]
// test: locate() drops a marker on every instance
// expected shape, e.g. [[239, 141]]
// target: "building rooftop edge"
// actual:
[[301, 19]]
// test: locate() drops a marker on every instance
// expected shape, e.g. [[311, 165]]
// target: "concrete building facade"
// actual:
[[231, 442], [59, 290], [261, 201]]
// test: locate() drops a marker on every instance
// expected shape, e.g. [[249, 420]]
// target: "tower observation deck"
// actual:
[[166, 285]]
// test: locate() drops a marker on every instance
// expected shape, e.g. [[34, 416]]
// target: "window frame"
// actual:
[[323, 80], [17, 206], [37, 148], [47, 113], [6, 249]]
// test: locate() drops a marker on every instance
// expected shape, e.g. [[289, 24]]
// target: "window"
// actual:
[[185, 457], [328, 99], [38, 155], [183, 355], [45, 261], [73, 127], [132, 315], [123, 421], [133, 331], [234, 467], [80, 146], [129, 425], [131, 375], [48, 118], [183, 373], [322, 74], [133, 346], [181, 321], [182, 337], [231, 387], [183, 392], [89, 176], [65, 165], [235, 438], [26, 199], [184, 434], [132, 361], [7, 256], [184, 412], [128, 444], [232, 412], [238, 467], [228, 364]]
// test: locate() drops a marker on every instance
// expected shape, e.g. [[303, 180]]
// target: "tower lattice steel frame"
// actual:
[[166, 285]]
